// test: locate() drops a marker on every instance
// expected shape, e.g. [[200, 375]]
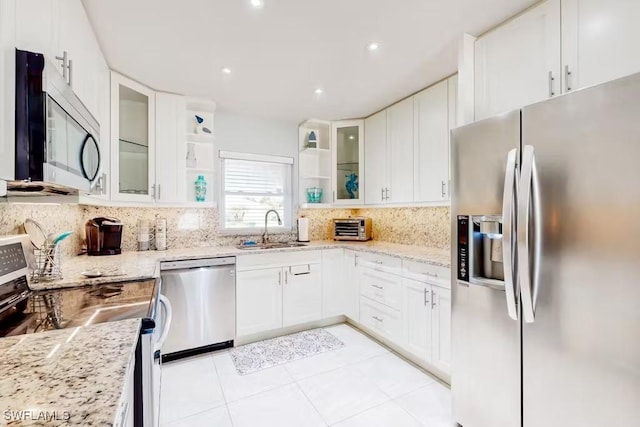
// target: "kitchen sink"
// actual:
[[274, 245]]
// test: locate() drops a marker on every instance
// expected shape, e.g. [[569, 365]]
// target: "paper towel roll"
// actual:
[[303, 229]]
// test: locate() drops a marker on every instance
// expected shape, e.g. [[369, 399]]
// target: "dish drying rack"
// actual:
[[48, 263]]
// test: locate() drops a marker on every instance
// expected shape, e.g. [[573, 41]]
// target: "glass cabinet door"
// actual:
[[133, 139], [348, 154]]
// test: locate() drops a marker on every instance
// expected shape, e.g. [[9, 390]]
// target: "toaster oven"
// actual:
[[358, 229]]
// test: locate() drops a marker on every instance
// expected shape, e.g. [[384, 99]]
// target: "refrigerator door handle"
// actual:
[[508, 207], [529, 216]]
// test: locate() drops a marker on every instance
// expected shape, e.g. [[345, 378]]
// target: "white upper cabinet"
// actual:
[[400, 152], [170, 153], [519, 62], [37, 27], [599, 41], [132, 141], [431, 143], [348, 162], [375, 158]]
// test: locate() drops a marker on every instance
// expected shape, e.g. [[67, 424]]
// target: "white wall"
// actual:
[[254, 135]]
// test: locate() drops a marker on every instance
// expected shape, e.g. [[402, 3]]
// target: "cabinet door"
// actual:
[[302, 294], [170, 148], [352, 285], [36, 28], [375, 158], [334, 291], [7, 89], [417, 309], [258, 301], [132, 140], [518, 63], [441, 327], [348, 162], [400, 151], [599, 41], [431, 143]]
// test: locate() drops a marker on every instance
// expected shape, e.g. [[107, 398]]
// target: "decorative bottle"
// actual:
[[201, 188]]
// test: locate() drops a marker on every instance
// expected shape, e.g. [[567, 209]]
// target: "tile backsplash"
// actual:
[[423, 226], [188, 227]]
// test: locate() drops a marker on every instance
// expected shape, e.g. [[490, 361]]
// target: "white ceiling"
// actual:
[[281, 53]]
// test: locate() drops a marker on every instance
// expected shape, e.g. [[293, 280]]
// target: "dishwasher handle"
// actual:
[[168, 315], [197, 263]]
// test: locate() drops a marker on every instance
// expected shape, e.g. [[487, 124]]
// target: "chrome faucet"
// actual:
[[265, 236]]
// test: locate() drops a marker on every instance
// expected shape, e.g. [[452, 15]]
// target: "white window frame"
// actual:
[[288, 192]]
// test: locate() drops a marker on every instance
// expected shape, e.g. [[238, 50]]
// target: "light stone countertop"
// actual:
[[76, 375], [131, 266]]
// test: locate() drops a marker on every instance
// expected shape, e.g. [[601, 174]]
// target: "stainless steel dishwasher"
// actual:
[[203, 297]]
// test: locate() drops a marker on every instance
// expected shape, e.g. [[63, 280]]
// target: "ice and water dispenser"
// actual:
[[480, 249]]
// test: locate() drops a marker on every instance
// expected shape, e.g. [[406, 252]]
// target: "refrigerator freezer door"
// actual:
[[485, 341], [581, 356]]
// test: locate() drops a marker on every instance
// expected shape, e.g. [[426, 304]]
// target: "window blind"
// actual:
[[251, 188]]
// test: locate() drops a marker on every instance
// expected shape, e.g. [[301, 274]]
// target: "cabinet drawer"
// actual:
[[424, 272], [253, 261], [388, 263], [382, 287], [382, 319]]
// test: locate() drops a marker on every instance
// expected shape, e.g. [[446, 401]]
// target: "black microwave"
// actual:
[[57, 138]]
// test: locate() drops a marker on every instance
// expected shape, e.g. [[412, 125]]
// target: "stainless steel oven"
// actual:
[[57, 138]]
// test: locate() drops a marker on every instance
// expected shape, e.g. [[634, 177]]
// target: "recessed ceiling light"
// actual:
[[352, 137], [373, 46], [318, 91], [226, 70], [258, 4]]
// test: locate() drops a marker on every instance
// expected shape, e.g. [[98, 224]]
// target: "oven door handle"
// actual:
[[168, 314]]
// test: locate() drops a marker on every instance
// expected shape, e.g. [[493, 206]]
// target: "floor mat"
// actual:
[[276, 351]]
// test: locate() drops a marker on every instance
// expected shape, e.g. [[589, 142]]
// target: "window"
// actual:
[[251, 185]]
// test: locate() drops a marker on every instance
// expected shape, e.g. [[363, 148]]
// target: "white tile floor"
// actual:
[[361, 384]]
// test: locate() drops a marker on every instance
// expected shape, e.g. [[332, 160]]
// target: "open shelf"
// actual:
[[316, 151], [200, 137], [203, 170], [314, 177]]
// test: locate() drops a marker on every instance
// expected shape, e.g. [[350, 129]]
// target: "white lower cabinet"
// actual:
[[301, 295], [417, 308], [427, 311], [277, 290], [258, 301], [352, 285], [383, 319], [441, 330], [334, 284]]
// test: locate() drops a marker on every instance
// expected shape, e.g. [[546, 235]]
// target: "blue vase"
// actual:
[[351, 185], [201, 188]]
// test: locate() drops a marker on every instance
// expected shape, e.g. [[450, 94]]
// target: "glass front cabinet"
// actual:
[[348, 162], [132, 140]]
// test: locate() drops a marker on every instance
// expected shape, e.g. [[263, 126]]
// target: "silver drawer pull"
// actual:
[[379, 295], [378, 287], [431, 274], [378, 262], [377, 318]]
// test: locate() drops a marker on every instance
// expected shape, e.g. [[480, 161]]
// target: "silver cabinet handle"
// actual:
[[65, 67], [386, 194], [355, 260], [442, 189], [377, 318], [71, 73], [433, 299], [529, 209], [509, 198], [286, 277], [381, 193], [378, 287], [551, 80], [280, 278], [567, 78], [425, 297], [153, 191], [159, 191], [431, 274], [378, 262]]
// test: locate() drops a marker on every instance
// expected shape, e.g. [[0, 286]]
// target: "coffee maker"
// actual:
[[104, 236]]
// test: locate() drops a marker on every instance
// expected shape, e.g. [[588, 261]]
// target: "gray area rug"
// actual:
[[276, 351]]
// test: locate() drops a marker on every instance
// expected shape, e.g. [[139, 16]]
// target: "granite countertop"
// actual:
[[131, 266], [74, 376]]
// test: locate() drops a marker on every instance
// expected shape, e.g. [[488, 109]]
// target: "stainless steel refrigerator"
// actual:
[[546, 262]]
